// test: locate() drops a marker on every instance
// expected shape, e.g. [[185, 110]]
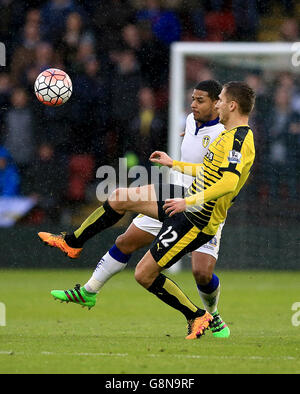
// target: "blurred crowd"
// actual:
[[117, 55]]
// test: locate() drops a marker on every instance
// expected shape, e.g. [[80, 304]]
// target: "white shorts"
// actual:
[[153, 226]]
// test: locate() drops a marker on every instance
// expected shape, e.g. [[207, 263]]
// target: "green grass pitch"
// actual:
[[131, 332]]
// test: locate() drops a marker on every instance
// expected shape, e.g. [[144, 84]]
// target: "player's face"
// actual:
[[223, 107], [202, 106]]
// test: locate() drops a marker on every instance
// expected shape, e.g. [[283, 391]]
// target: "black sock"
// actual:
[[99, 220], [168, 291]]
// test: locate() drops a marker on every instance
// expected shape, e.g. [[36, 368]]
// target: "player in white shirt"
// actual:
[[202, 127]]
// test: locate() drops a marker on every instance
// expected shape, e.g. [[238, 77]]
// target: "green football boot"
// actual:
[[78, 295], [218, 327]]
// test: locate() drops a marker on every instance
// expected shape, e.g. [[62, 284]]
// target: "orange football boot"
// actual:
[[198, 326], [58, 241]]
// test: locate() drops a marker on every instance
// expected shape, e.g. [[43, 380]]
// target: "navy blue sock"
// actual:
[[116, 253], [211, 286]]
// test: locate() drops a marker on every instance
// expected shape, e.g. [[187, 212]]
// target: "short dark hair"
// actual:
[[212, 87], [241, 93]]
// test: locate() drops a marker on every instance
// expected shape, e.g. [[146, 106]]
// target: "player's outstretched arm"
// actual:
[[161, 158], [187, 168], [225, 185], [165, 160]]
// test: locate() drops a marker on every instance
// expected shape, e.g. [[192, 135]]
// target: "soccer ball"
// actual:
[[53, 87]]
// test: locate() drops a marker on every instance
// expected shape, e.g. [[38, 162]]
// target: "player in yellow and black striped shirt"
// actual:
[[219, 179], [233, 151]]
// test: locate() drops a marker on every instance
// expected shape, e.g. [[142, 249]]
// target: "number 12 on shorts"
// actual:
[[173, 236]]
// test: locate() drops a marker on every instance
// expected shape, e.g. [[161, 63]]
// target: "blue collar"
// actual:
[[206, 124]]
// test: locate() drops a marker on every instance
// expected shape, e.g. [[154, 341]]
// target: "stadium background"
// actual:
[[117, 55]]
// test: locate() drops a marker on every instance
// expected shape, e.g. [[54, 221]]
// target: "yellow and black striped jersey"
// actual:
[[233, 150]]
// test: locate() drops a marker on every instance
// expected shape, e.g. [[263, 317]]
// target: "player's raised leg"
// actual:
[[141, 200]]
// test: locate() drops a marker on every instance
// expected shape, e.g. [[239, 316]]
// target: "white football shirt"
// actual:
[[195, 144]]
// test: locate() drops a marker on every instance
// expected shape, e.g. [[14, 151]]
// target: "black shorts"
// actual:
[[177, 237], [165, 191]]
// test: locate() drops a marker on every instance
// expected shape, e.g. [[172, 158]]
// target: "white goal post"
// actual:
[[281, 53]]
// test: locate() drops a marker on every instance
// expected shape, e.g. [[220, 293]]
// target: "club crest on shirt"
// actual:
[[234, 157], [205, 141], [213, 241]]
